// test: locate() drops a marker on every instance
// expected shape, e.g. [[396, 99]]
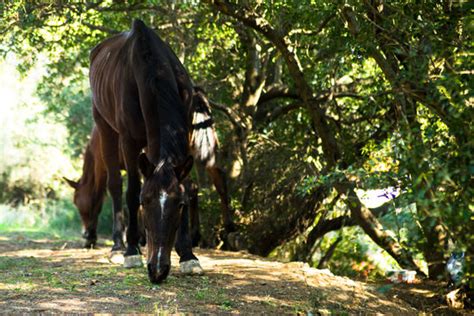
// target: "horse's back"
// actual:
[[139, 87], [104, 75]]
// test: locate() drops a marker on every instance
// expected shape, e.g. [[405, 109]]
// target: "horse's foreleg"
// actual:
[[114, 184], [91, 231], [188, 263], [132, 257]]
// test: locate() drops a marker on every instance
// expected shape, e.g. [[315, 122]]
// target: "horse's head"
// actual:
[[163, 199], [89, 207]]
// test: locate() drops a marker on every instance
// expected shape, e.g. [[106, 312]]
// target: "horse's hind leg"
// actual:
[[188, 263], [130, 154], [110, 155], [218, 178]]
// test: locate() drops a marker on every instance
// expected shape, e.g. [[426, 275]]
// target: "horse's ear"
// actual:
[[145, 166], [183, 170], [73, 184]]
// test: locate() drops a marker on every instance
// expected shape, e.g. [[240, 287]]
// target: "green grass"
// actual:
[[6, 263], [211, 295]]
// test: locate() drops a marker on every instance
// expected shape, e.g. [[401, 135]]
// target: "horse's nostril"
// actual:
[[158, 275]]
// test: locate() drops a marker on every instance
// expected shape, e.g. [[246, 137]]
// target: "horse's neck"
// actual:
[[174, 145], [93, 173]]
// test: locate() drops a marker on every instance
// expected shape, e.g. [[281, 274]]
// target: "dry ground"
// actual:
[[38, 274]]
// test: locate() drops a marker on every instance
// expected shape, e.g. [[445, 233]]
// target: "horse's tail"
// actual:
[[204, 142]]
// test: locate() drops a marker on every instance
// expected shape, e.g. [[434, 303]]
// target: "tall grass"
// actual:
[[57, 217]]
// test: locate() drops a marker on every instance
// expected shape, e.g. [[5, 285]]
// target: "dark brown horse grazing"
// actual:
[[90, 189], [142, 98]]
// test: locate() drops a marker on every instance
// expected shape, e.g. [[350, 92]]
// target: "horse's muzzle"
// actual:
[[158, 274]]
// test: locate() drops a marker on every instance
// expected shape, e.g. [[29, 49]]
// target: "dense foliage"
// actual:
[[313, 101]]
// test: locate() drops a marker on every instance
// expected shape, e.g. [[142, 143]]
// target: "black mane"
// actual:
[[162, 83]]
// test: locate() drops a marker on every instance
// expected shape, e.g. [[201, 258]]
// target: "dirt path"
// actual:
[[52, 275]]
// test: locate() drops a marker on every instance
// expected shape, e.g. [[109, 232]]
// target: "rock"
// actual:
[[313, 271], [455, 299]]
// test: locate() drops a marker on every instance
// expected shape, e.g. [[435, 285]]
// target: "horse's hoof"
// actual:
[[134, 261], [116, 257], [90, 245], [191, 267]]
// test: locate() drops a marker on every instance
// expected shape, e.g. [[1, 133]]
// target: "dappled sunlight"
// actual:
[[35, 149], [66, 305], [248, 281], [340, 135], [65, 279], [256, 276], [269, 300], [18, 286]]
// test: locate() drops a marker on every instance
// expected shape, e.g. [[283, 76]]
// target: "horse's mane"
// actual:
[[93, 169], [162, 83], [90, 176]]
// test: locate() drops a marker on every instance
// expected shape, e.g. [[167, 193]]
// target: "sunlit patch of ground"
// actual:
[[54, 275]]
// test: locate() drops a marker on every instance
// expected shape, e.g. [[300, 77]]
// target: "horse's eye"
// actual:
[[181, 205]]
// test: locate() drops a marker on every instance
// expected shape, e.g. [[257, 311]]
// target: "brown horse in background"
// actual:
[[89, 191]]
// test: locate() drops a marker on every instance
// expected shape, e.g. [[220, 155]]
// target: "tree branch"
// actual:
[[275, 92], [100, 28], [234, 118], [314, 32], [258, 23]]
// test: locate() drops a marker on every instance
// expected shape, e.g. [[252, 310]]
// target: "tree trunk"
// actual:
[[407, 115], [325, 259]]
